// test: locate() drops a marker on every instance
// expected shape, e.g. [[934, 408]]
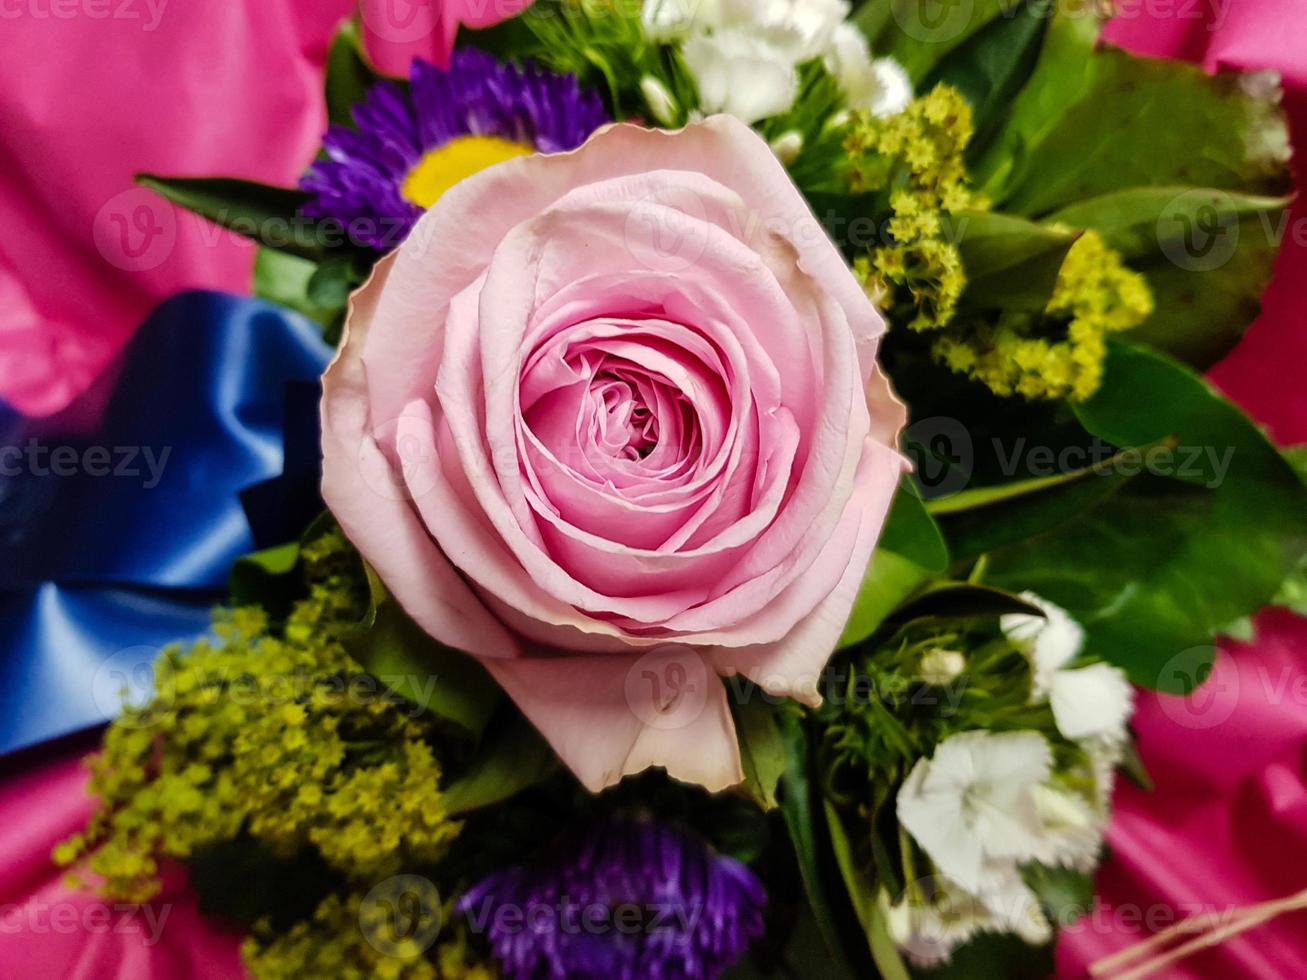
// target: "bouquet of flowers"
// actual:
[[765, 445]]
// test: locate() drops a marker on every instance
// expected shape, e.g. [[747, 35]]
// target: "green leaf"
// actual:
[[911, 551], [1207, 254], [919, 34], [993, 66], [1204, 537], [962, 600], [762, 752], [349, 76], [862, 893], [508, 762], [1097, 119], [283, 278], [417, 667], [267, 215], [1065, 893], [266, 579], [1011, 263], [1144, 222], [799, 804], [993, 956]]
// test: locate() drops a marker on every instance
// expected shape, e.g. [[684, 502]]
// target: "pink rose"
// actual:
[[397, 31], [611, 422]]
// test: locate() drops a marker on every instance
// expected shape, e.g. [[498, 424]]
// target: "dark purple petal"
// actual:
[[692, 912]]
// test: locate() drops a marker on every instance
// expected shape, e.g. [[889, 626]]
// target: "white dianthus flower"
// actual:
[[741, 74], [1089, 702], [973, 807], [881, 86]]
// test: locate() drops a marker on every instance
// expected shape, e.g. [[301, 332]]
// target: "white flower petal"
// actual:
[[973, 802], [741, 75], [1051, 643], [1092, 702], [803, 29], [881, 87]]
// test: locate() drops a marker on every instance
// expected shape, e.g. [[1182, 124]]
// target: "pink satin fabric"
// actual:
[[1227, 824], [95, 91], [397, 31], [51, 932]]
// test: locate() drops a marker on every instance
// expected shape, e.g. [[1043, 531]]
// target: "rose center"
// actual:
[[460, 158], [628, 428]]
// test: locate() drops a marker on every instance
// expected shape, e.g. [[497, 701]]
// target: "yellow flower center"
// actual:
[[442, 168]]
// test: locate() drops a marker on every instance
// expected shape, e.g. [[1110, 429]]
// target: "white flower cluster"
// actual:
[[744, 54], [988, 803]]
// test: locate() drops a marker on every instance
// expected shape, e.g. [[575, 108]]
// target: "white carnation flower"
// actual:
[[881, 87], [973, 807], [1089, 702], [741, 74], [803, 29]]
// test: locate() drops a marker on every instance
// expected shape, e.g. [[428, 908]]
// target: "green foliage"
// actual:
[[762, 750], [1157, 568], [910, 553], [417, 667]]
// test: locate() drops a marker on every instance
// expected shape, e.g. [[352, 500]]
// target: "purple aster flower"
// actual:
[[630, 900], [411, 145]]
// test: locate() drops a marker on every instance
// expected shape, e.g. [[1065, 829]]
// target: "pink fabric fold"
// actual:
[[46, 930], [89, 96]]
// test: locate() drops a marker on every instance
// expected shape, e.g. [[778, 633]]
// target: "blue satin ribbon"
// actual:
[[118, 540]]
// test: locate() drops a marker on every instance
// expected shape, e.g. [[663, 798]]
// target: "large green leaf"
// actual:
[[1207, 253], [515, 757], [1094, 120], [919, 34], [992, 66], [1011, 263], [911, 551], [267, 215], [417, 667], [986, 518], [1203, 538]]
